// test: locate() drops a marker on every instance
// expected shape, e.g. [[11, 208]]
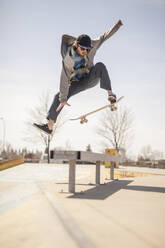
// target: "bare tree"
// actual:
[[147, 153], [9, 152], [115, 127], [37, 115]]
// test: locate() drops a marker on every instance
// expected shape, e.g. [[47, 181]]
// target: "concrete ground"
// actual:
[[37, 211]]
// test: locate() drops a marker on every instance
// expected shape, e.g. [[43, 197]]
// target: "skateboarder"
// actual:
[[79, 73]]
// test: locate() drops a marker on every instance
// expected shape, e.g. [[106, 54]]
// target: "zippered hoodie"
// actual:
[[66, 44]]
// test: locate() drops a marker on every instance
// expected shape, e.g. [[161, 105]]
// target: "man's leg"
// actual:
[[53, 114], [99, 73], [74, 89]]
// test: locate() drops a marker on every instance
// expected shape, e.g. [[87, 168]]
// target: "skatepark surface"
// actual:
[[37, 211]]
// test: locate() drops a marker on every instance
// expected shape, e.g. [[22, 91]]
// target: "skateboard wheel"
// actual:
[[113, 108], [82, 122]]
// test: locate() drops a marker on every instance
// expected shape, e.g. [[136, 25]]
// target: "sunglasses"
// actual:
[[83, 49]]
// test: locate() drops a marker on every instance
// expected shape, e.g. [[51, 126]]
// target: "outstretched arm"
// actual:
[[99, 41], [112, 31]]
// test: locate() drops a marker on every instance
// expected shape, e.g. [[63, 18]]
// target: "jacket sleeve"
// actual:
[[99, 41], [64, 86], [66, 41]]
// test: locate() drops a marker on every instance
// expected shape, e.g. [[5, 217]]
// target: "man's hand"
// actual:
[[119, 23], [62, 104]]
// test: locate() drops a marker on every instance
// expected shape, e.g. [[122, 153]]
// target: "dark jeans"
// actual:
[[98, 72]]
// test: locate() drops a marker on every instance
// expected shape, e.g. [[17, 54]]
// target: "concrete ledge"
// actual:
[[11, 163]]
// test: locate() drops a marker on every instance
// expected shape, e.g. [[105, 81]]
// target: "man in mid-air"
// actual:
[[79, 72]]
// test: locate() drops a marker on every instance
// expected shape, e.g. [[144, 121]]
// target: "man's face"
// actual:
[[81, 51]]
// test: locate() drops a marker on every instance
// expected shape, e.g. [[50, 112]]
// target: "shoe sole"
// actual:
[[41, 130]]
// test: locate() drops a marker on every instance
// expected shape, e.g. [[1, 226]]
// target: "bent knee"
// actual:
[[100, 65]]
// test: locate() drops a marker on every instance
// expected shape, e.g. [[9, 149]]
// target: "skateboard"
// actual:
[[83, 118]]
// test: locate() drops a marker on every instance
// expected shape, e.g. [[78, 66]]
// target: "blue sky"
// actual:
[[30, 64]]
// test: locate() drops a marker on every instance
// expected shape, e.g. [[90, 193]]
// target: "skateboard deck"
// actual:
[[83, 118]]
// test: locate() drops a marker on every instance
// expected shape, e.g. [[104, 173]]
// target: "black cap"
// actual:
[[84, 41]]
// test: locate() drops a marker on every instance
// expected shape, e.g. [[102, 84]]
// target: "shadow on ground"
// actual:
[[103, 191]]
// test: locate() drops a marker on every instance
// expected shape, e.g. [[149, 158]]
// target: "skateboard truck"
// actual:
[[113, 108], [83, 120]]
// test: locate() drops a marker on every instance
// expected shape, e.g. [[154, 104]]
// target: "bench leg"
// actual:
[[97, 172], [112, 170], [72, 174]]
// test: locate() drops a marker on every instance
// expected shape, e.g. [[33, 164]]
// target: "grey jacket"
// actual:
[[67, 42]]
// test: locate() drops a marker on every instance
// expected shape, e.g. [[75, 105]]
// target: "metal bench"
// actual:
[[73, 156]]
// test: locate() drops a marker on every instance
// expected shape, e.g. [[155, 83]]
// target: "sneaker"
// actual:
[[44, 128]]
